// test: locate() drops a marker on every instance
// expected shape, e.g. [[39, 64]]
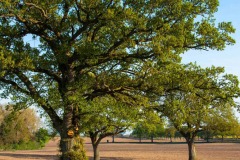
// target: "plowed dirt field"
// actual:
[[129, 149]]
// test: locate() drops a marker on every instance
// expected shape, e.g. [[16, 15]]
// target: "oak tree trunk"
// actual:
[[67, 132], [66, 144]]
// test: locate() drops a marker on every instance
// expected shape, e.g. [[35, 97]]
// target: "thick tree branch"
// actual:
[[53, 75], [37, 7], [57, 121], [15, 86]]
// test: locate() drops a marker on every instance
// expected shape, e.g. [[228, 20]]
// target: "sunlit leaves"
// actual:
[[201, 93]]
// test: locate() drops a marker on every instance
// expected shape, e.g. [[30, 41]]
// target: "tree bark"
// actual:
[[96, 155], [67, 141], [207, 139], [66, 144], [95, 142], [113, 138], [191, 149]]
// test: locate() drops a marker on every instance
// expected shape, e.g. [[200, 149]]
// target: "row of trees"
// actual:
[[101, 65], [158, 131]]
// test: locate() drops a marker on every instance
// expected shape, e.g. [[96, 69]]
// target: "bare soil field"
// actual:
[[129, 149]]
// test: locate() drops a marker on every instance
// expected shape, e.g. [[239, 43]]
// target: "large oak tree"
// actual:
[[90, 48]]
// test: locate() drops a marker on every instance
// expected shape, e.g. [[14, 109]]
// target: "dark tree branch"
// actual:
[[37, 7], [15, 86], [53, 75], [57, 121], [65, 12]]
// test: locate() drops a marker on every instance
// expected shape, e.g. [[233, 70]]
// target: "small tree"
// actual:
[[148, 126], [223, 122], [42, 136], [195, 98], [139, 131], [236, 130], [108, 117], [170, 132], [156, 131]]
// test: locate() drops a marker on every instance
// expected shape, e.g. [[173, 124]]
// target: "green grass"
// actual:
[[31, 145]]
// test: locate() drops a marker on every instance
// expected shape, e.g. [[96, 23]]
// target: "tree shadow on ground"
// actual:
[[49, 157], [29, 156], [112, 158]]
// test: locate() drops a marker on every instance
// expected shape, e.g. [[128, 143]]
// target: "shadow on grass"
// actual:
[[29, 156]]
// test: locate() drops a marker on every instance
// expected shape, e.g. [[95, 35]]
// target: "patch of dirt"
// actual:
[[130, 149]]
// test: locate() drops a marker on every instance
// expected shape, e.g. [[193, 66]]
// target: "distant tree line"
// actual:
[[159, 131]]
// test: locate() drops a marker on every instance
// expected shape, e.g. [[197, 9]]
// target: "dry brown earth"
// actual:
[[123, 150]]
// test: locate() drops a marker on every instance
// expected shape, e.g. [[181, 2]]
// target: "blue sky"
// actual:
[[229, 11]]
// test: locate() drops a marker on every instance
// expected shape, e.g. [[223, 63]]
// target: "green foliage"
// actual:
[[42, 136], [18, 130], [107, 115], [74, 155], [30, 145], [199, 95], [222, 123], [198, 99], [18, 126], [170, 131], [235, 131], [139, 131], [78, 152], [150, 127]]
